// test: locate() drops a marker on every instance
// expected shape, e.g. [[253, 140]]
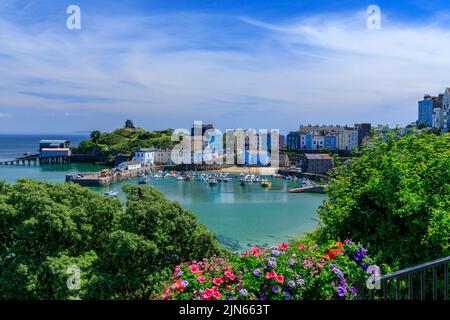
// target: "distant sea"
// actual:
[[13, 146]]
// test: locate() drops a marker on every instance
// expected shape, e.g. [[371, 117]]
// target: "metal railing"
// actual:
[[414, 277]]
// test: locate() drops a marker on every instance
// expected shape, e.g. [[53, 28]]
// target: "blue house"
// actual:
[[293, 140], [426, 111], [330, 143]]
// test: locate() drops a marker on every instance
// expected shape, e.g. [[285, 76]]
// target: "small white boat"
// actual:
[[110, 193], [180, 178], [143, 180]]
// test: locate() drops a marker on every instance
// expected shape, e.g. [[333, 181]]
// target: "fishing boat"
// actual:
[[110, 193], [212, 181], [265, 183], [143, 179]]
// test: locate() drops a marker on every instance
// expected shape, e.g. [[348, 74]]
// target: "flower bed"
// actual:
[[296, 271]]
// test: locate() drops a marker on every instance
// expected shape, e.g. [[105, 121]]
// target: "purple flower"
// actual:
[[263, 297], [300, 282], [287, 296], [342, 291], [291, 284], [242, 292], [348, 241], [184, 283], [291, 262], [276, 253], [353, 291], [276, 289], [272, 262], [256, 272], [360, 254], [365, 266]]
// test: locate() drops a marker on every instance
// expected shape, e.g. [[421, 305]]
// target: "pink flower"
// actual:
[[284, 246], [211, 293], [217, 281], [230, 275], [255, 251], [201, 279], [195, 269], [300, 247], [270, 275], [279, 278]]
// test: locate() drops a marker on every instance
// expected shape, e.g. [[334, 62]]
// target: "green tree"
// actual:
[[95, 135], [121, 251], [395, 198]]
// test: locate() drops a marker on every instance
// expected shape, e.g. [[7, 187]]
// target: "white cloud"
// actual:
[[318, 69]]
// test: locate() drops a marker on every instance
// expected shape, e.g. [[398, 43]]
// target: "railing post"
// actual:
[[385, 293], [446, 281], [434, 283], [422, 285], [410, 286]]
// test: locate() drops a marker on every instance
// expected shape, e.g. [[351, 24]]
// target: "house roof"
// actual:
[[53, 141], [318, 156], [146, 150], [55, 149]]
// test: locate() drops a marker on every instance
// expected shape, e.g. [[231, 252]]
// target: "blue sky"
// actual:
[[250, 64]]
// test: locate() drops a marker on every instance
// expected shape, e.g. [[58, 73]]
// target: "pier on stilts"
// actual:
[[32, 159], [36, 159]]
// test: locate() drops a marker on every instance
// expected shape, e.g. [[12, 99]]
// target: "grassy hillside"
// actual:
[[106, 147]]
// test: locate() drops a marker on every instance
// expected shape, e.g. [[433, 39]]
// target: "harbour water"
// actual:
[[241, 216]]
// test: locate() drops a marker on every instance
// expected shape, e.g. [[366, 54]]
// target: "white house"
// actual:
[[145, 156], [130, 165], [163, 156]]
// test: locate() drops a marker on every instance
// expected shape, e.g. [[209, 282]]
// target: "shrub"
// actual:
[[394, 198]]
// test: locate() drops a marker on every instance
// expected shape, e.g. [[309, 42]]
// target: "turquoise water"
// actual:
[[240, 216]]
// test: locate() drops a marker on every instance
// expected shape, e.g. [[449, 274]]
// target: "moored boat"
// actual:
[[212, 181], [110, 193], [266, 183]]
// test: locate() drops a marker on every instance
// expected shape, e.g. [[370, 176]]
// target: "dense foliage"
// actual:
[[395, 198], [123, 142], [122, 252], [296, 271]]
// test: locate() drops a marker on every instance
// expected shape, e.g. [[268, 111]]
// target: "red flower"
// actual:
[[178, 285], [300, 247], [217, 281], [270, 275], [279, 278], [195, 269], [201, 279], [339, 244], [230, 275], [333, 253], [283, 246], [255, 251]]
